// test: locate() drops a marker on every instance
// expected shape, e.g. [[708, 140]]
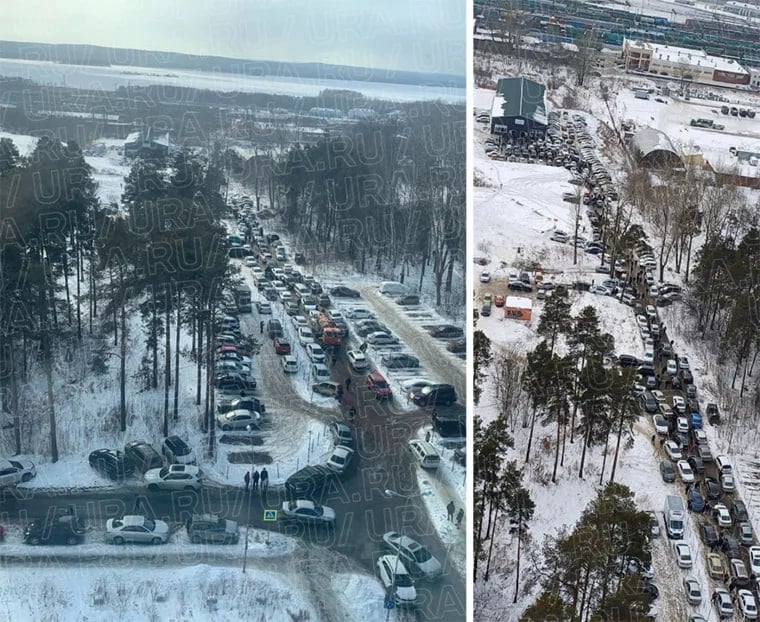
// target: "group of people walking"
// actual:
[[257, 478]]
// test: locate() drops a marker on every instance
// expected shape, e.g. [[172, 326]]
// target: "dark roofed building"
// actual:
[[519, 107], [150, 143], [654, 149]]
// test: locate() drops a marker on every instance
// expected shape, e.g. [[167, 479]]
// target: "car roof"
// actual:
[[132, 519], [305, 503]]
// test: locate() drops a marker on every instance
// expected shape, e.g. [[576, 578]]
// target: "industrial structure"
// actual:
[[519, 108]]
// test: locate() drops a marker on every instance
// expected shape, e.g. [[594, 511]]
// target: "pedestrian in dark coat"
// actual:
[[450, 509], [348, 383], [255, 479], [264, 480], [261, 326], [247, 480], [460, 516]]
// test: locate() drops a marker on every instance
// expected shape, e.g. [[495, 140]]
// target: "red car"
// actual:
[[498, 300], [281, 345], [378, 385]]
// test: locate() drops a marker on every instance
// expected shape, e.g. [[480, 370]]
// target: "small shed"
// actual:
[[518, 308]]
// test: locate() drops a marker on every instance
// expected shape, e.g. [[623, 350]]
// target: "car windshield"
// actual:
[[164, 472], [149, 524], [421, 555], [382, 384], [338, 459], [677, 524], [403, 580]]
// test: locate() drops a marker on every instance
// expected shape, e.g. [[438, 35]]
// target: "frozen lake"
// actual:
[[110, 78]]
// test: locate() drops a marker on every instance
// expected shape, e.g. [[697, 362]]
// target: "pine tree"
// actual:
[[481, 359]]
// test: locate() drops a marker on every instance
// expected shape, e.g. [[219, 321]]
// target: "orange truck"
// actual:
[[327, 333]]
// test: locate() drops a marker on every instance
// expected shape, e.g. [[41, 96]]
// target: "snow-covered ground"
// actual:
[[516, 206]]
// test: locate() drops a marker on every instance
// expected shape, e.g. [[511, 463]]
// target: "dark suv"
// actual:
[[739, 511], [209, 528], [143, 456], [309, 481], [66, 529], [111, 463], [434, 395], [274, 329]]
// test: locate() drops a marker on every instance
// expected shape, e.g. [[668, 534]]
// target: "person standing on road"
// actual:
[[450, 509], [247, 480], [255, 479], [264, 481], [261, 326], [460, 516], [348, 383]]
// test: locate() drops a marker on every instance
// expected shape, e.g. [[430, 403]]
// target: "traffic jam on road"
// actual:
[[288, 347]]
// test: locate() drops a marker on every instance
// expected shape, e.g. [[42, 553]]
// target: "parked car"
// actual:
[[174, 477], [434, 395], [241, 403], [668, 471], [289, 364], [399, 360], [235, 384], [238, 420], [357, 360], [315, 353], [281, 345], [747, 605], [341, 291], [380, 338], [730, 546], [211, 529], [739, 511], [136, 529], [177, 451], [111, 463], [143, 456], [341, 458], [328, 388], [378, 385], [683, 555], [414, 555], [693, 590], [341, 434], [395, 576], [716, 567], [673, 451], [685, 472], [744, 533], [309, 481], [711, 489], [319, 372], [408, 300], [722, 515], [306, 511], [721, 599], [694, 500], [63, 529], [709, 535]]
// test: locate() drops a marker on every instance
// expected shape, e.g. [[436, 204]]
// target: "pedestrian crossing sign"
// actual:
[[270, 516]]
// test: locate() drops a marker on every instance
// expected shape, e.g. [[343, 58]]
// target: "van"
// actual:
[[723, 464], [392, 288], [425, 454]]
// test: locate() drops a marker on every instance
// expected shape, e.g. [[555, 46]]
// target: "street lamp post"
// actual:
[[393, 493], [250, 494]]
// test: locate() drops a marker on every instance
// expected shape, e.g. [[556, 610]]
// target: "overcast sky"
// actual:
[[415, 35]]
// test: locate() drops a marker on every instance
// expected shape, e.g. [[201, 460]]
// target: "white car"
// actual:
[[320, 372], [673, 451], [671, 368], [289, 364], [682, 425], [340, 459], [174, 477], [722, 515], [679, 404], [315, 353], [264, 308], [660, 424], [380, 338], [357, 360], [305, 336], [722, 601], [300, 321], [250, 261], [485, 277], [359, 313], [648, 356], [309, 512], [685, 472], [754, 560], [693, 591], [415, 383], [285, 297], [257, 272], [14, 472], [134, 528], [394, 575], [658, 395], [600, 290], [747, 604], [683, 362], [413, 554], [683, 555]]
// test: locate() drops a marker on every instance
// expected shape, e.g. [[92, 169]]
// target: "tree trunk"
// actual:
[[583, 453], [65, 261], [530, 435], [168, 357], [154, 338], [176, 356], [604, 455], [123, 366], [556, 451], [48, 354], [517, 564], [199, 366], [79, 292], [490, 547], [617, 443]]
